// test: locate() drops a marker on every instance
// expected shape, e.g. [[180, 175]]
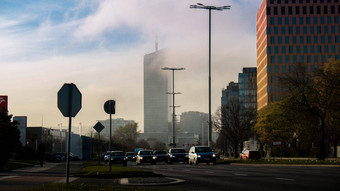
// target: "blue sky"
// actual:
[[99, 46]]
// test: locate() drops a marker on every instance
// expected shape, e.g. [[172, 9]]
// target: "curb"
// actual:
[[149, 181]]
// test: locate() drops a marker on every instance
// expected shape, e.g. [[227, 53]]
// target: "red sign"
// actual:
[[3, 103]]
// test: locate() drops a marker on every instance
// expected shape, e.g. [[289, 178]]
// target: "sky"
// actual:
[[99, 46]]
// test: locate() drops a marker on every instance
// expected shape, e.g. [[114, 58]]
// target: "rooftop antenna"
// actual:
[[156, 43]]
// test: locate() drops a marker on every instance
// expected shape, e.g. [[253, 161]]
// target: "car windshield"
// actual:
[[178, 151], [118, 154], [129, 154], [146, 153], [203, 149]]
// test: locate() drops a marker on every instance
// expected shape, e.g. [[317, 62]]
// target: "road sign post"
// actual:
[[110, 108], [99, 127], [69, 104]]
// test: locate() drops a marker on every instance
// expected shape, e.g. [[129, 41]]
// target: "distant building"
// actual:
[[194, 125], [115, 124], [290, 32], [231, 92], [247, 88], [156, 99]]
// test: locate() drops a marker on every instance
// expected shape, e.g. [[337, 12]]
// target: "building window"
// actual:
[[305, 49], [319, 49], [322, 39], [268, 10], [302, 60], [276, 49], [312, 68], [276, 69], [329, 39], [297, 10], [287, 20], [287, 59], [269, 69], [309, 59], [308, 39], [294, 20], [279, 59], [332, 9], [318, 29], [268, 50], [290, 49], [298, 49], [329, 20], [326, 49], [297, 30], [315, 20], [269, 88], [283, 69], [311, 10], [312, 49], [279, 39], [271, 20], [294, 39], [333, 48], [315, 39], [322, 20], [323, 58], [301, 40], [294, 59], [283, 30], [325, 9], [316, 59], [272, 78], [336, 39], [268, 30], [318, 10], [304, 30], [283, 50], [291, 68], [272, 59], [275, 11], [301, 20], [290, 30], [276, 30], [333, 29], [290, 10], [283, 11], [279, 21], [287, 39], [272, 40], [336, 19], [325, 29], [311, 30]]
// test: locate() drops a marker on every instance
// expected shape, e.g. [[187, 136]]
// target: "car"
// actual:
[[130, 156], [62, 155], [250, 154], [161, 155], [107, 157], [177, 155], [201, 154], [118, 157], [145, 156], [54, 157]]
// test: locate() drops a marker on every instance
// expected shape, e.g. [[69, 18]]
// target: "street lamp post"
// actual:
[[173, 102], [201, 6]]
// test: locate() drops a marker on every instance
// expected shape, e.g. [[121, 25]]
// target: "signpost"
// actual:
[[69, 104], [98, 127], [110, 108]]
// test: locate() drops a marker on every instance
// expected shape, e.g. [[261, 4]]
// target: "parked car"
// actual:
[[248, 154], [161, 155], [107, 157], [62, 155], [145, 156], [177, 155], [201, 154], [54, 157], [118, 157], [130, 156]]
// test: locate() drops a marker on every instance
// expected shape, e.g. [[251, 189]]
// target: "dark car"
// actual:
[[177, 155], [201, 154], [161, 155], [130, 156], [247, 154], [118, 157], [145, 156], [62, 155], [54, 157]]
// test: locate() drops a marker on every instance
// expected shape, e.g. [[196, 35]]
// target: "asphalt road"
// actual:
[[250, 177]]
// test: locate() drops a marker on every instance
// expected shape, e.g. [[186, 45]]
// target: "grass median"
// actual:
[[282, 161], [15, 164], [95, 170]]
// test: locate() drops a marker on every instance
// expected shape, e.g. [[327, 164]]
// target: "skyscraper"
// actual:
[[156, 99], [247, 88], [291, 32], [230, 93]]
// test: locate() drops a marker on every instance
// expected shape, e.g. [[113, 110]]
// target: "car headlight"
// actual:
[[199, 156], [154, 157], [186, 156], [172, 156], [141, 158], [214, 155]]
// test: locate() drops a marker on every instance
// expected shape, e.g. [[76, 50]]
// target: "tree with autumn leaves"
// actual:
[[309, 113]]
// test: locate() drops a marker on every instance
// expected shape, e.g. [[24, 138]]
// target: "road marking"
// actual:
[[286, 179], [241, 174], [71, 179], [7, 177]]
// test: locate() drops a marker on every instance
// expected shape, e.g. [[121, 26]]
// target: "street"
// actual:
[[249, 177], [200, 177]]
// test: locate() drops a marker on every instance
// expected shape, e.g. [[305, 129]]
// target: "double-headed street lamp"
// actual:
[[201, 6], [173, 102]]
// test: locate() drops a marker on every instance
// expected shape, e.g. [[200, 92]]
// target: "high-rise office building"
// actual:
[[156, 99], [291, 32], [231, 92], [247, 88]]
